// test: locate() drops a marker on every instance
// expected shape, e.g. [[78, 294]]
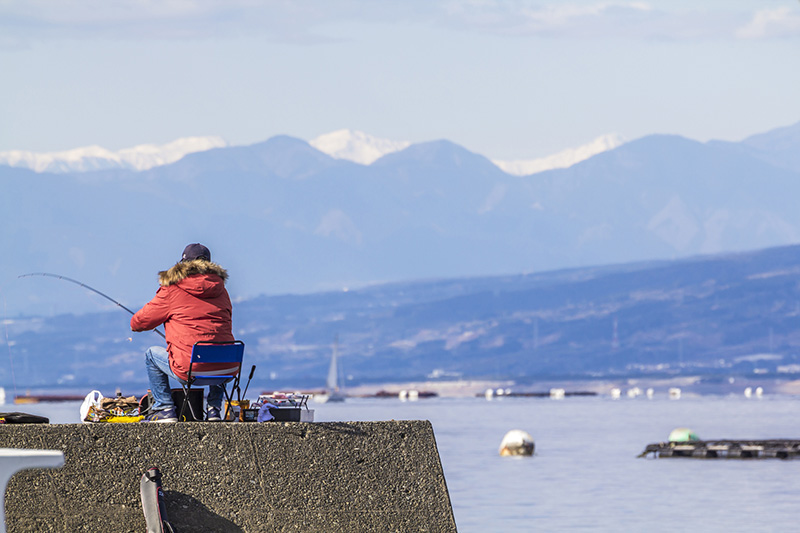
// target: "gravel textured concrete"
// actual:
[[346, 476]]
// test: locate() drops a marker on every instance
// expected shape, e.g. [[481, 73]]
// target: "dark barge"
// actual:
[[726, 449]]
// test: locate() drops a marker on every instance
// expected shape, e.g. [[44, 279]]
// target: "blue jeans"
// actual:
[[156, 360]]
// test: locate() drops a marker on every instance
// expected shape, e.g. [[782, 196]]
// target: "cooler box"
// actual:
[[292, 414]]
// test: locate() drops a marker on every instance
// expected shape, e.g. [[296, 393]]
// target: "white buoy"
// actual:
[[759, 392], [683, 435], [517, 442], [413, 395], [500, 392], [557, 394], [488, 394], [650, 393], [634, 392], [674, 393], [615, 393], [403, 395], [748, 392]]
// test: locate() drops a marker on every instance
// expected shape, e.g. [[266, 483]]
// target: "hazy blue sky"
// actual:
[[511, 79]]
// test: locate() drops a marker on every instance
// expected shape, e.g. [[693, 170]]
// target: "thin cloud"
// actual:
[[772, 23], [537, 16], [284, 20], [550, 20], [622, 20], [305, 21]]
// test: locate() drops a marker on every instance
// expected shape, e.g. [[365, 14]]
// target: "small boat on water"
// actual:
[[333, 393]]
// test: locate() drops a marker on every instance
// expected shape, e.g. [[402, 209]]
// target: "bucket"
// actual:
[[234, 411]]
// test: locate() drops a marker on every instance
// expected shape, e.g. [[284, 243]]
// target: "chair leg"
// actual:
[[227, 402], [186, 390], [228, 397]]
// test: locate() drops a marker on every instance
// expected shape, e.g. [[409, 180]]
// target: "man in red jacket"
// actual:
[[193, 305]]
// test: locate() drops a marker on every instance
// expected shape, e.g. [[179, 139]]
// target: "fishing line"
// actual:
[[10, 359], [107, 297]]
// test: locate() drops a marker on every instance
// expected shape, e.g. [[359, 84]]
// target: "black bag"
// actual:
[[22, 418], [196, 398]]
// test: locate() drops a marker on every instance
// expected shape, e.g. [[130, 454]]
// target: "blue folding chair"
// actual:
[[227, 359]]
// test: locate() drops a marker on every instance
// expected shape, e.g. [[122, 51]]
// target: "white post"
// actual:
[[13, 460]]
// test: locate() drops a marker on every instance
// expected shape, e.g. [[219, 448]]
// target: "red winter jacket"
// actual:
[[193, 305]]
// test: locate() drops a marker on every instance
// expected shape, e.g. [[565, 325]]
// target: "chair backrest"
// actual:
[[210, 359]]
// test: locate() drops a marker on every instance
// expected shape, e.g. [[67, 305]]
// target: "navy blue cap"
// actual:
[[196, 251]]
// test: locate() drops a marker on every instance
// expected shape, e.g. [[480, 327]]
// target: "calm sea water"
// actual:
[[585, 475]]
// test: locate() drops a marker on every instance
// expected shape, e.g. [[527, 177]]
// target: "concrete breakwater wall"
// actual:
[[334, 476]]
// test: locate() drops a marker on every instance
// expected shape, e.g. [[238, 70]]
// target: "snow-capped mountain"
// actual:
[[432, 210], [356, 146], [363, 148], [141, 157], [563, 159], [345, 144]]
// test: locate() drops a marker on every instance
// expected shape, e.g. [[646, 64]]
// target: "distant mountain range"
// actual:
[[562, 159], [356, 146], [89, 158], [350, 145], [706, 319], [284, 217]]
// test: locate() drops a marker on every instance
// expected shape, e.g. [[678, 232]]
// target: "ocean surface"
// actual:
[[585, 475]]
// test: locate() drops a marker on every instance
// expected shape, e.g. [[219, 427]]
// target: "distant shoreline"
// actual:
[[465, 388], [689, 386]]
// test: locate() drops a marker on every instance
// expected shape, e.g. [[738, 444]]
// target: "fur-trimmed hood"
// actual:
[[184, 269], [193, 305]]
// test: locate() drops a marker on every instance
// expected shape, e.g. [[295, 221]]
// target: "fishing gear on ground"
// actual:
[[22, 418], [279, 406], [97, 408]]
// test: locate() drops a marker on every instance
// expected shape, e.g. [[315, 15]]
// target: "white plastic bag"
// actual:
[[93, 398]]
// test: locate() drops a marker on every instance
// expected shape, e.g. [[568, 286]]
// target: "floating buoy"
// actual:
[[488, 394], [650, 393], [557, 394], [674, 393], [517, 442], [403, 395], [683, 435], [634, 392], [759, 392], [413, 395], [748, 392], [615, 394]]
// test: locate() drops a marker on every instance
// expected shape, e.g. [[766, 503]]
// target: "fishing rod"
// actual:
[[65, 278], [252, 371]]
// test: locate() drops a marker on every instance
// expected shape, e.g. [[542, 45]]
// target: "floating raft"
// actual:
[[726, 449], [47, 398], [548, 394]]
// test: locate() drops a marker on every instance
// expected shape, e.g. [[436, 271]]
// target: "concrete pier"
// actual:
[[348, 476]]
